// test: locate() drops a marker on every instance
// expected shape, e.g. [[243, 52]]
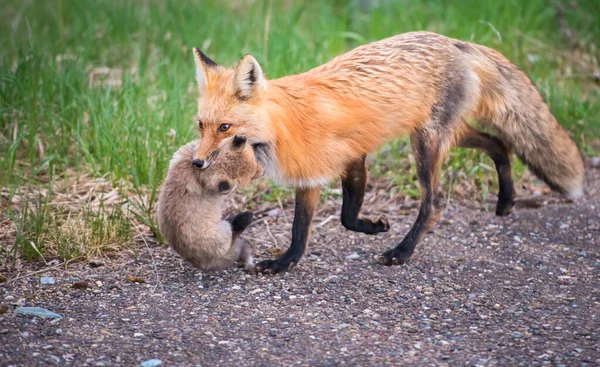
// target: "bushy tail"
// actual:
[[514, 110]]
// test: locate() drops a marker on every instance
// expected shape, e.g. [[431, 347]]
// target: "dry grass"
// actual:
[[81, 217]]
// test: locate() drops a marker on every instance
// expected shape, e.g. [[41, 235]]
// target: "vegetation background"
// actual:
[[95, 95]]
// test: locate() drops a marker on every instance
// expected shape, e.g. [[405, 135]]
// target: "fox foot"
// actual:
[[239, 222], [381, 224], [369, 226], [279, 265], [504, 206], [395, 256]]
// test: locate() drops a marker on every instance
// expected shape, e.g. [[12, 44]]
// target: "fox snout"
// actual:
[[200, 164], [204, 154]]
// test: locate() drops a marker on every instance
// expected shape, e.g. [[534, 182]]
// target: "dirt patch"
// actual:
[[480, 290]]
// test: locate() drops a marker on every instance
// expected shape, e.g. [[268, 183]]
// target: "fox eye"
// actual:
[[224, 127], [200, 126]]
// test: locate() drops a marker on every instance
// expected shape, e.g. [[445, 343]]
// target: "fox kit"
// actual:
[[190, 205], [309, 128]]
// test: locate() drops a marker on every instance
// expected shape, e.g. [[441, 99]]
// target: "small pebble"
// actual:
[[80, 285], [133, 279], [47, 280], [37, 311], [353, 256], [151, 363], [95, 263], [275, 213]]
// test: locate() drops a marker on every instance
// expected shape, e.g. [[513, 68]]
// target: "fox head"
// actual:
[[231, 103]]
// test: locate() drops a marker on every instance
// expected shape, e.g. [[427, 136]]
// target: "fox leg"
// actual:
[[229, 259], [500, 154], [354, 182], [428, 150], [241, 250], [228, 248], [239, 223], [306, 203]]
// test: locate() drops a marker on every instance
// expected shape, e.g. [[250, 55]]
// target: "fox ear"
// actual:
[[203, 66], [249, 77], [239, 142]]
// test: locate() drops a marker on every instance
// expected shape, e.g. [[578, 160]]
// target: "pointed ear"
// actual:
[[203, 67], [239, 142], [249, 78]]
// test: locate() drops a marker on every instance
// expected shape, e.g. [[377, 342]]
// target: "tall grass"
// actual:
[[106, 88]]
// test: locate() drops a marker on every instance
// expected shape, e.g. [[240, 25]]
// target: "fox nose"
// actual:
[[198, 163]]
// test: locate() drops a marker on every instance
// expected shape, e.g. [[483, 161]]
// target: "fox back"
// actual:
[[307, 127]]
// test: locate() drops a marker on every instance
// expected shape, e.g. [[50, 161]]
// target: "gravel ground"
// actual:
[[480, 290]]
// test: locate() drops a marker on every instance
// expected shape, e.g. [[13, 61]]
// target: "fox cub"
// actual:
[[190, 205]]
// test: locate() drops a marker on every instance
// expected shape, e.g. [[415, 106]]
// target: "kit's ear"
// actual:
[[239, 142]]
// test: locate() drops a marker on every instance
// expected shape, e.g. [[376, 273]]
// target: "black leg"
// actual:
[[426, 148], [500, 154], [354, 182], [240, 222], [306, 203]]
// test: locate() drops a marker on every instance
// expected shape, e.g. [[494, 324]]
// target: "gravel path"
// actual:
[[480, 290]]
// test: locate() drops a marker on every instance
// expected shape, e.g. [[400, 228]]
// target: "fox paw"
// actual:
[[504, 207], [382, 224], [393, 257], [276, 266], [241, 221], [368, 226]]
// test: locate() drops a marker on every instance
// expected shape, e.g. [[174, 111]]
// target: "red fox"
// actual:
[[190, 205], [309, 128]]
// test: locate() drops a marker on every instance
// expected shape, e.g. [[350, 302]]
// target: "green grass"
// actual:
[[106, 88]]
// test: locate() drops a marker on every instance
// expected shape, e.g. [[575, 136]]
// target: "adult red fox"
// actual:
[[309, 128]]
